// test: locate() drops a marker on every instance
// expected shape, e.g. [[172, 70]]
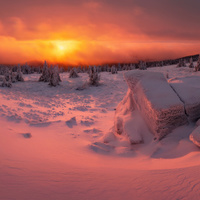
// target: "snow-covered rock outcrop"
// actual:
[[195, 136], [159, 105], [188, 89]]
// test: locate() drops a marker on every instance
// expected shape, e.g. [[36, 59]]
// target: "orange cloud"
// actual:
[[100, 31], [88, 52]]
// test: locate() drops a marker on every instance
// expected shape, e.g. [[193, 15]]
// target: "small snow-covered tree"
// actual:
[[104, 68], [124, 67], [184, 63], [55, 77], [181, 63], [26, 69], [142, 65], [119, 68], [88, 69], [45, 73], [94, 76], [79, 69], [99, 69], [108, 68], [19, 76], [113, 70], [73, 73], [7, 83], [6, 73], [13, 77], [191, 63], [197, 67], [61, 70], [132, 67]]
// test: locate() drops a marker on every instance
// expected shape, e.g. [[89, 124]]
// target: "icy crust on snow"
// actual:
[[155, 99], [195, 136], [188, 89]]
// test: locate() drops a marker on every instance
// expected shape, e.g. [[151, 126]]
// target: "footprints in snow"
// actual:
[[85, 122], [73, 122]]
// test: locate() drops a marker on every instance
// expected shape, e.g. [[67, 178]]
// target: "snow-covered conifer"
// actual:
[[142, 65], [73, 73], [184, 63], [197, 67], [119, 68], [113, 70], [132, 66], [181, 63], [26, 69], [61, 69], [99, 69], [191, 63], [19, 76], [6, 73], [124, 67], [94, 76], [55, 77], [108, 69], [7, 83], [45, 73], [13, 77]]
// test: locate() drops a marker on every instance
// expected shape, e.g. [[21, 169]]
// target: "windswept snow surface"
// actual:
[[51, 145]]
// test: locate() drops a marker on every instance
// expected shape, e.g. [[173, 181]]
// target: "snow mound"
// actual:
[[195, 136], [188, 90], [160, 106], [125, 122]]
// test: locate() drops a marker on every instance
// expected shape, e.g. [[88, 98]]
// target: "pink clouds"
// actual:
[[100, 24]]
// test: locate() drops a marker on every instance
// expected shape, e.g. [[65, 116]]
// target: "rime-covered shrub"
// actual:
[[113, 70], [54, 77], [73, 73], [191, 65], [45, 73], [94, 76]]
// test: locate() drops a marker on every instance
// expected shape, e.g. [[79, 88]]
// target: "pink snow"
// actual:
[[66, 158]]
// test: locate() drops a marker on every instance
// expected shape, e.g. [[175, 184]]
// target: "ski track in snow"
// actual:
[[51, 146]]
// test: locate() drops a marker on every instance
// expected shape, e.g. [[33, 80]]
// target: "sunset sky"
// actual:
[[89, 32]]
